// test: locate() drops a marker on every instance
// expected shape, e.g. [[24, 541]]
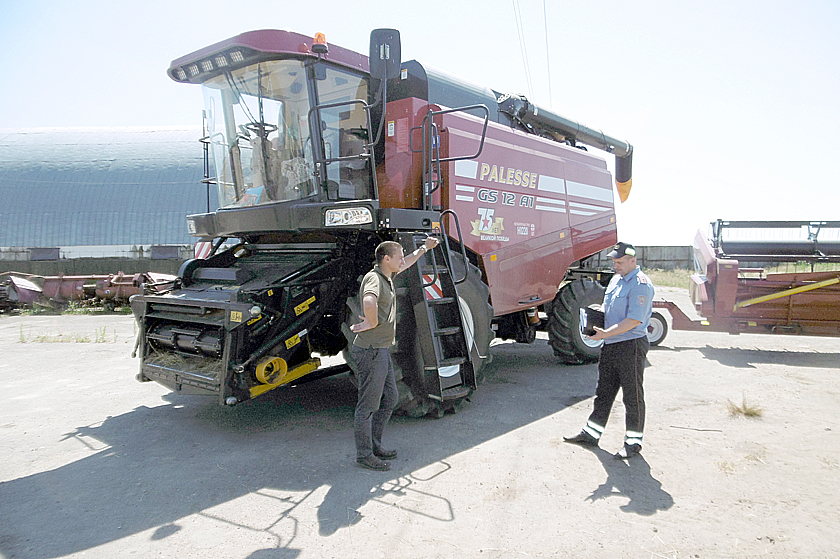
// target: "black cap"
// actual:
[[622, 249]]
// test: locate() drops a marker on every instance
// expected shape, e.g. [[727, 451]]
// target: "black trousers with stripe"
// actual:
[[622, 366]]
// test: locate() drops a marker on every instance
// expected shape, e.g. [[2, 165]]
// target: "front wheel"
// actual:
[[657, 329], [565, 335], [474, 301]]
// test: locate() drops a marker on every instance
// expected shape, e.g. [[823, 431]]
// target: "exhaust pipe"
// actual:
[[520, 110]]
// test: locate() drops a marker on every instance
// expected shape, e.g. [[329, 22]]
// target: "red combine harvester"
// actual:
[[321, 153], [733, 298]]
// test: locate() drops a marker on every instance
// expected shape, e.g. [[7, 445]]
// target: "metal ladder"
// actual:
[[443, 342], [440, 327]]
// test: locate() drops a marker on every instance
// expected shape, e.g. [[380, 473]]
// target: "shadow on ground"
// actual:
[[749, 358], [191, 456], [630, 479]]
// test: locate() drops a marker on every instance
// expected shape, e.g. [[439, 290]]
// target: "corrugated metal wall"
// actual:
[[100, 186]]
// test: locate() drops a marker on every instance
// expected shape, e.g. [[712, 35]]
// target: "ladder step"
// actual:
[[441, 301], [446, 331], [455, 393], [430, 270], [448, 363]]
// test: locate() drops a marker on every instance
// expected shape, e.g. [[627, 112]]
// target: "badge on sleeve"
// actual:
[[641, 301]]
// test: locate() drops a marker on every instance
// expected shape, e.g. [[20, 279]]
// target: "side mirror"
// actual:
[[384, 57]]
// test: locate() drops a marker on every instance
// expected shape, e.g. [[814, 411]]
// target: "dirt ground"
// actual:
[[97, 465]]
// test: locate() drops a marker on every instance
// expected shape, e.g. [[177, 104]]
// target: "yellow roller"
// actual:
[[270, 369], [276, 370]]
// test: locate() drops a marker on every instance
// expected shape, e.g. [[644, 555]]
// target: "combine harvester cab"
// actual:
[[320, 154]]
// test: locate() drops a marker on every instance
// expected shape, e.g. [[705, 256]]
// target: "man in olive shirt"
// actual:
[[378, 396]]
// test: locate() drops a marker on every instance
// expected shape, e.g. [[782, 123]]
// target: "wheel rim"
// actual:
[[654, 330], [469, 334], [585, 339], [469, 322]]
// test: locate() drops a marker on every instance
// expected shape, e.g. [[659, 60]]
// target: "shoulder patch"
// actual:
[[641, 300]]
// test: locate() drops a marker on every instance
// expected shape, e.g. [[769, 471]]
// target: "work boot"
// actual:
[[373, 463], [384, 454], [583, 438], [628, 451]]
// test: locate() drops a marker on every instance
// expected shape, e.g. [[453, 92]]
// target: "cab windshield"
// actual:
[[263, 150]]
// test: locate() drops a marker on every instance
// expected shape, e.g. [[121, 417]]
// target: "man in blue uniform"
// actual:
[[628, 304]]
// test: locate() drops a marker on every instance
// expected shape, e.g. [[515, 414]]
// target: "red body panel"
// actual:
[[528, 207]]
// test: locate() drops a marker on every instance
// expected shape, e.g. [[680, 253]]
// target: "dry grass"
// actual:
[[726, 467], [678, 277], [198, 364], [745, 409], [100, 337]]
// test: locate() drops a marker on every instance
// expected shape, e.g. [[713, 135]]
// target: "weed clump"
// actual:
[[745, 409]]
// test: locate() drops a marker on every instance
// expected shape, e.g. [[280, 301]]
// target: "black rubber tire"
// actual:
[[406, 355], [657, 329], [564, 333], [474, 298]]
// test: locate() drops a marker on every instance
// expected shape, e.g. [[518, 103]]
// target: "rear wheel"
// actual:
[[564, 332], [657, 329]]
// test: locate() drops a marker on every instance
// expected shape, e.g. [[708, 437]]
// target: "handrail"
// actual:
[[460, 244], [365, 106], [368, 146], [483, 129], [431, 149]]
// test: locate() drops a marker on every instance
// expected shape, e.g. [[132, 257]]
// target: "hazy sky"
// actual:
[[733, 107]]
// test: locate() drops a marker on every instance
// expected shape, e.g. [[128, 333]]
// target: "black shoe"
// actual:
[[582, 438], [628, 451], [384, 454], [373, 463]]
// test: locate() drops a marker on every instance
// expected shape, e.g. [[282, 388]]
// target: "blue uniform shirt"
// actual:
[[630, 296]]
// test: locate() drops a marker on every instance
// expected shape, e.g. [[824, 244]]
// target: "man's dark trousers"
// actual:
[[378, 397], [622, 365]]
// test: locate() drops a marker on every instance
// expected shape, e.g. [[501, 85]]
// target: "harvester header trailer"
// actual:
[[733, 298]]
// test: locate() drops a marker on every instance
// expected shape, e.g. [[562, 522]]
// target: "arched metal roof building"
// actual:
[[72, 187]]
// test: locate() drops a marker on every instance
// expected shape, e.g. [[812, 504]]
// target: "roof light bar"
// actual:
[[222, 61]]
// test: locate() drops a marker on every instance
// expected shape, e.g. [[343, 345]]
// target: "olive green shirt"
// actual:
[[378, 284]]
